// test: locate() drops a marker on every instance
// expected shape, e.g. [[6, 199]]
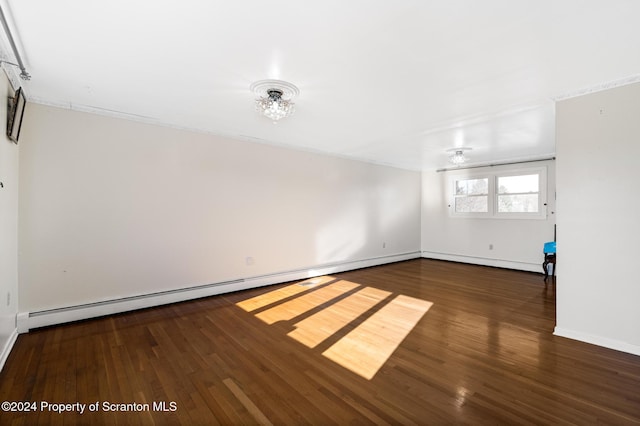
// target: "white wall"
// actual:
[[112, 208], [598, 149], [517, 243], [8, 229]]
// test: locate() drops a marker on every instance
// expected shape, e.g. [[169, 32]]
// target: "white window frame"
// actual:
[[493, 176], [542, 194], [453, 196]]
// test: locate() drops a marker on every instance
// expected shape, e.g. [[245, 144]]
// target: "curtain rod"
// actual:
[[495, 164], [23, 74]]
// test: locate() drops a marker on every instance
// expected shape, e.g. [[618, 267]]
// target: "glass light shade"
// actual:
[[274, 107], [274, 98], [458, 158]]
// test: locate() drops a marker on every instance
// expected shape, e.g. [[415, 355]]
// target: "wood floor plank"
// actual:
[[483, 353], [259, 417]]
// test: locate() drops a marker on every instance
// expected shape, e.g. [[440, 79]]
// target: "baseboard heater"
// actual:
[[31, 320], [485, 261]]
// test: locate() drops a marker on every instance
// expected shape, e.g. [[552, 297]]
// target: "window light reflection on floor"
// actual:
[[318, 327], [272, 297], [363, 350], [305, 302]]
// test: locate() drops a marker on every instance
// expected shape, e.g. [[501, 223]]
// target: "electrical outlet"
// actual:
[[8, 298], [249, 260], [384, 245], [490, 246]]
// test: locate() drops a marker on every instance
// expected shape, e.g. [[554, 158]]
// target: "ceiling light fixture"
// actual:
[[274, 98], [456, 156]]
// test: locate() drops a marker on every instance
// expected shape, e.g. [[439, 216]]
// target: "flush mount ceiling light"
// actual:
[[274, 98], [456, 155]]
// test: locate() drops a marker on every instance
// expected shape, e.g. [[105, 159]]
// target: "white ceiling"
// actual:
[[392, 82]]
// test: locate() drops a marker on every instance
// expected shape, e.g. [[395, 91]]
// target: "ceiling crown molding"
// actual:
[[599, 87]]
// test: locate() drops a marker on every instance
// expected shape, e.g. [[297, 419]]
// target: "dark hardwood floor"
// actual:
[[483, 353]]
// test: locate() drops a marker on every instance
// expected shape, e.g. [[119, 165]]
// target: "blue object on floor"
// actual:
[[550, 247], [549, 258]]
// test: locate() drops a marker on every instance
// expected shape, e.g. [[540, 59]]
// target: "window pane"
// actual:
[[472, 186], [518, 184], [522, 203], [473, 204]]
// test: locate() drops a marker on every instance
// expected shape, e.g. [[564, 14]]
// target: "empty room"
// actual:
[[362, 212]]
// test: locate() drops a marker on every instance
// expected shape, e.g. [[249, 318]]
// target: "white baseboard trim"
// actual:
[[6, 350], [30, 320], [485, 261], [597, 340]]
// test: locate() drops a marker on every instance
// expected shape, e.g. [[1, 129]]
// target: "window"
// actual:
[[517, 194], [471, 195]]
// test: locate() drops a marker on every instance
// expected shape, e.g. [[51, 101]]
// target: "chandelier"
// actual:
[[273, 106], [274, 99], [456, 156]]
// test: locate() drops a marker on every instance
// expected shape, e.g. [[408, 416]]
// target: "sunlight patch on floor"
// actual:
[[275, 296], [318, 327], [292, 308], [365, 349]]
